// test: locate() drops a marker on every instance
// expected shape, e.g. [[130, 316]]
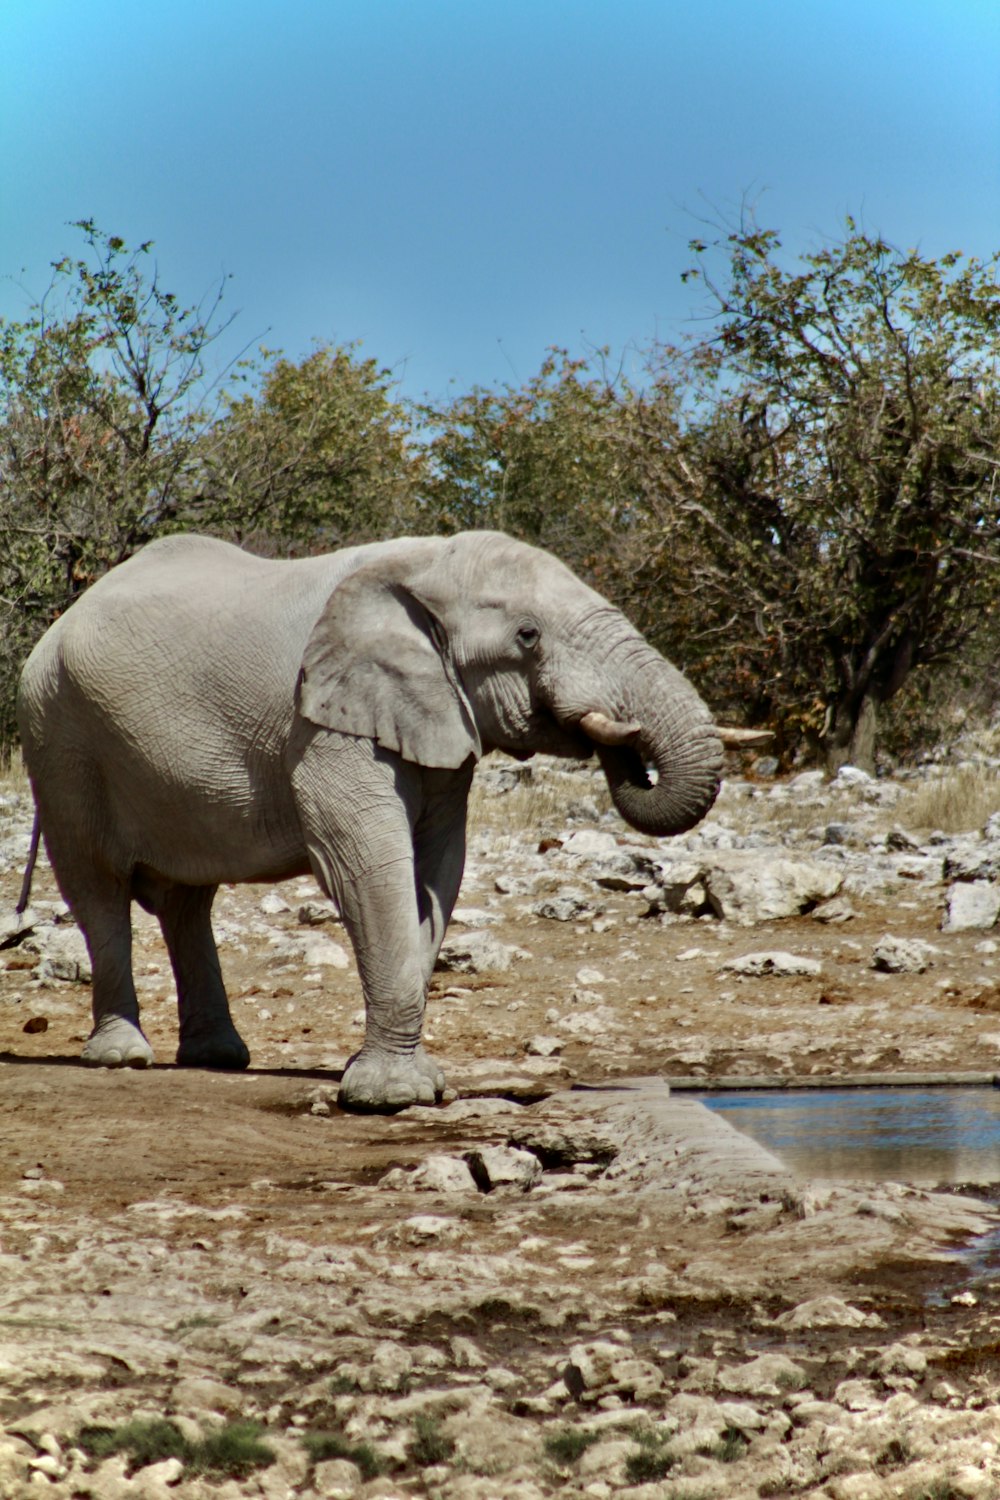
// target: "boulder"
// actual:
[[757, 965], [477, 952], [896, 955], [749, 888], [973, 905]]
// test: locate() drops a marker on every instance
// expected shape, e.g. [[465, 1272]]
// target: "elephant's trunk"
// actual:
[[666, 726]]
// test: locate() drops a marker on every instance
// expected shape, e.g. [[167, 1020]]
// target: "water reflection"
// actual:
[[925, 1136]]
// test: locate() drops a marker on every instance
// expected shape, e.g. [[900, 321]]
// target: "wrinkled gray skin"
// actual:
[[203, 716]]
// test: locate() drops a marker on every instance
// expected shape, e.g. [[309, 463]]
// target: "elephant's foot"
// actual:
[[224, 1049], [117, 1043], [380, 1081]]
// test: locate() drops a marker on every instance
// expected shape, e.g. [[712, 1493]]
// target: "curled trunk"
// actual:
[[677, 740]]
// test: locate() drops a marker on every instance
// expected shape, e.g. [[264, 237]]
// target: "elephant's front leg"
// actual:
[[359, 806]]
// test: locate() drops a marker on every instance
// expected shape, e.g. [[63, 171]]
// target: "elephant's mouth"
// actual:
[[552, 736]]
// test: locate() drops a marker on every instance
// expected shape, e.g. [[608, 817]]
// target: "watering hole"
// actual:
[[927, 1136]]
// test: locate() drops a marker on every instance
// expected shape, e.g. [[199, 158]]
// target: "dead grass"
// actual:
[[958, 802], [542, 800], [14, 777]]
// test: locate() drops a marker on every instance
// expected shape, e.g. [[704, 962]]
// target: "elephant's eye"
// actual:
[[527, 636]]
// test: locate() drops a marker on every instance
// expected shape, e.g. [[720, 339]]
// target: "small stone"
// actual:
[[971, 905], [774, 961], [337, 1479], [321, 952], [828, 1312], [568, 906], [316, 913], [504, 1166], [590, 843], [767, 1375], [896, 955], [272, 904], [837, 910], [902, 1359], [477, 952], [544, 1046], [440, 1173], [852, 776], [168, 1472]]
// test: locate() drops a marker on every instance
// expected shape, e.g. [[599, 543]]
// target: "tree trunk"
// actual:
[[851, 741]]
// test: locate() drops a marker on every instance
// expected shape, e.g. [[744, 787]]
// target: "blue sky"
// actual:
[[461, 183]]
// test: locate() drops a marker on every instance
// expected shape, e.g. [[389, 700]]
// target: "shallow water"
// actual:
[[929, 1136]]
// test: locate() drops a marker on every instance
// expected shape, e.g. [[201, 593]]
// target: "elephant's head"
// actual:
[[444, 648]]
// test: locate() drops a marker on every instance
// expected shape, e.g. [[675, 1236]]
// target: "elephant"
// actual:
[[203, 716]]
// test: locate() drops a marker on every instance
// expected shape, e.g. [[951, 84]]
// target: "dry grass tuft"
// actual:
[[541, 800], [960, 801], [14, 777]]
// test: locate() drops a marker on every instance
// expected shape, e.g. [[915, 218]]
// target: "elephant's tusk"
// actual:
[[605, 731], [743, 739]]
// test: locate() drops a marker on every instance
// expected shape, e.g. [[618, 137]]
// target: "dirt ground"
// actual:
[[165, 1224]]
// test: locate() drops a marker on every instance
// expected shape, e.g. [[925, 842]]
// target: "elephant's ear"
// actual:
[[377, 666]]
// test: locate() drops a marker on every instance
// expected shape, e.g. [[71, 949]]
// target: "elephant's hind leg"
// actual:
[[103, 909], [208, 1038]]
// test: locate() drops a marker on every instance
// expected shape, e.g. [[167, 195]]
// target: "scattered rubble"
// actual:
[[536, 1289]]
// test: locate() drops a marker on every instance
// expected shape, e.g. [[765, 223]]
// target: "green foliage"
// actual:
[[318, 457], [232, 1452], [730, 1448], [828, 521], [324, 1445], [548, 461], [568, 1446], [101, 392], [145, 1442], [430, 1445], [651, 1461]]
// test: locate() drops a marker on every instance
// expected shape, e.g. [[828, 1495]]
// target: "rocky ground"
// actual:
[[567, 1280]]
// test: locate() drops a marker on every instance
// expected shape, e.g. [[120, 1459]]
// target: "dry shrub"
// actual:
[[960, 801], [542, 799]]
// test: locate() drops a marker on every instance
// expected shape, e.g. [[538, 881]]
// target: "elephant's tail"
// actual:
[[29, 870]]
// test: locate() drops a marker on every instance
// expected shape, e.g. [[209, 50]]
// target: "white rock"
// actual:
[[749, 888], [475, 916], [902, 1359], [896, 955], [807, 781], [544, 1046], [767, 1375], [504, 1166], [273, 904], [63, 954], [777, 962], [337, 1479], [852, 776], [438, 1173], [567, 906], [972, 905], [320, 952], [590, 843], [477, 952], [828, 1312]]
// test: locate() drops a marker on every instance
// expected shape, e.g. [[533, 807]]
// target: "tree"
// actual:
[[548, 461], [101, 391], [318, 456], [827, 519]]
